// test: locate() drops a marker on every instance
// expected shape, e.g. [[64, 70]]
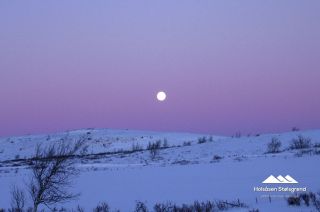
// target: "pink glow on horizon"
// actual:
[[226, 66]]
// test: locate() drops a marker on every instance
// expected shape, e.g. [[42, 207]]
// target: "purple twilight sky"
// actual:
[[227, 66]]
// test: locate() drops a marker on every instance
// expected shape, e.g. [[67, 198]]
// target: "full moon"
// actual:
[[161, 96]]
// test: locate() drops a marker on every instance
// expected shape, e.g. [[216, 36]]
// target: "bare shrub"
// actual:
[[154, 149], [306, 198], [202, 140], [274, 145], [187, 143], [316, 204], [80, 209], [314, 199], [300, 143], [208, 206], [309, 199], [52, 170], [316, 145], [163, 207], [203, 206], [216, 158], [102, 207], [140, 207], [225, 205], [48, 137], [294, 201], [295, 129], [17, 199]]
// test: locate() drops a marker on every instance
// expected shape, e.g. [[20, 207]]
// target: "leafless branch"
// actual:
[[52, 171]]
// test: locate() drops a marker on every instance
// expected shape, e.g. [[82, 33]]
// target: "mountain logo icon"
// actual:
[[280, 179]]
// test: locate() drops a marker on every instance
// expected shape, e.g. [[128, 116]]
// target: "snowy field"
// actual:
[[187, 168]]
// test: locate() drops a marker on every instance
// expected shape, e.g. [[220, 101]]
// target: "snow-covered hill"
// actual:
[[99, 140], [117, 167]]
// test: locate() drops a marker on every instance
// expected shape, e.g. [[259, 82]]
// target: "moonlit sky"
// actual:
[[251, 66]]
